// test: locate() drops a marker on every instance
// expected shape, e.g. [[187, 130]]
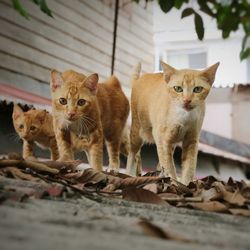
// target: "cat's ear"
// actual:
[[209, 73], [56, 80], [167, 70], [41, 116], [17, 112], [91, 82]]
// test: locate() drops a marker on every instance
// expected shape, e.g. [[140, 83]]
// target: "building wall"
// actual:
[[171, 33], [227, 113], [79, 37], [218, 119]]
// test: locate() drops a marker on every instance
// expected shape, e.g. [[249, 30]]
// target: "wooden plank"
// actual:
[[59, 37], [108, 12], [69, 28], [34, 56], [24, 82], [23, 67], [143, 47], [78, 15], [50, 48]]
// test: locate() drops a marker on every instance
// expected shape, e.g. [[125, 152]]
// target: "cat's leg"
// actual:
[[27, 149], [189, 159], [54, 150], [113, 148], [95, 151], [64, 145], [134, 160], [125, 149], [165, 149]]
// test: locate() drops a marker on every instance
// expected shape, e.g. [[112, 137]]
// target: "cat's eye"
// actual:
[[21, 126], [197, 89], [178, 89], [81, 102], [63, 101], [32, 128]]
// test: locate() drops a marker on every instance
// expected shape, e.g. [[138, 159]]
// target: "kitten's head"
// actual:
[[73, 95], [28, 124], [189, 88]]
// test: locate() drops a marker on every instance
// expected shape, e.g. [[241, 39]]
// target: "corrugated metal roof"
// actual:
[[229, 85], [10, 94]]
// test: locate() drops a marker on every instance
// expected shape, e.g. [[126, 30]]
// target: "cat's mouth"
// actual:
[[188, 107]]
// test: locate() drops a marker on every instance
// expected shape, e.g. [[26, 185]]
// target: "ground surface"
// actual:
[[105, 223]]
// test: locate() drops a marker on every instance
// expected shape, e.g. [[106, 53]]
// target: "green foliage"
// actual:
[[230, 16], [41, 3]]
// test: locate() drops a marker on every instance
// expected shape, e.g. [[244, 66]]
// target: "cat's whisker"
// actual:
[[89, 119]]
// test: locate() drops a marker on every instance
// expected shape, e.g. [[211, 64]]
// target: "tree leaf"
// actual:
[[166, 5], [179, 3], [205, 8], [18, 7], [43, 7], [187, 12], [199, 27]]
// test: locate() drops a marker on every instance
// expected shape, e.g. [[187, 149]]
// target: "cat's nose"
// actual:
[[187, 101], [71, 114]]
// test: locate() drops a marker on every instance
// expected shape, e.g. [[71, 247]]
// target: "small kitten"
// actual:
[[35, 126], [168, 108], [87, 113]]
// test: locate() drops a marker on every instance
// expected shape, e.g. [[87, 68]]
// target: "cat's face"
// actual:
[[189, 88], [28, 124], [73, 96]]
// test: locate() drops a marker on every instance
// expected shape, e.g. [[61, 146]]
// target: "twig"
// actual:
[[37, 166], [183, 199]]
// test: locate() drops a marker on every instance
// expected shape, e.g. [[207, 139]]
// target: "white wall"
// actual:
[[218, 119], [173, 33]]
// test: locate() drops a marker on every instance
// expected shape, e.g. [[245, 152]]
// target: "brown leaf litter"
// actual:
[[55, 179]]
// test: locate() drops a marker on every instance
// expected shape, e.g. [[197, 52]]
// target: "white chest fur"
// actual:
[[186, 117]]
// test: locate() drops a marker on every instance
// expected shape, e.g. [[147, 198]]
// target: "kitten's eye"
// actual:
[[32, 128], [197, 89], [21, 126], [178, 89], [63, 101], [81, 102]]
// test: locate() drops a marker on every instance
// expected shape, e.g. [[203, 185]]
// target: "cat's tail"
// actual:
[[114, 81], [136, 72]]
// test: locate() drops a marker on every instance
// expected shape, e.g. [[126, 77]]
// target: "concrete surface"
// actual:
[[105, 223]]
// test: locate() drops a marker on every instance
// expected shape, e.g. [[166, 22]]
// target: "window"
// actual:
[[181, 59]]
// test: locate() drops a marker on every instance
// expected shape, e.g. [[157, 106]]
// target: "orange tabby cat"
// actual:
[[35, 126], [168, 108], [92, 112]]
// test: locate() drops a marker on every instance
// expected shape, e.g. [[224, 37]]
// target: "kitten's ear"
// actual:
[[55, 80], [41, 116], [17, 112], [91, 82], [167, 70], [209, 73]]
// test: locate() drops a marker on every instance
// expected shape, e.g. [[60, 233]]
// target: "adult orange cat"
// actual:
[[168, 108], [35, 126], [90, 111]]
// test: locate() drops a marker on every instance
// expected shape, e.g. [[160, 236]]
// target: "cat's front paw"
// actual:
[[64, 158], [113, 170]]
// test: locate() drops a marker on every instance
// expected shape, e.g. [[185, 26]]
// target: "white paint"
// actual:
[[218, 119], [171, 34]]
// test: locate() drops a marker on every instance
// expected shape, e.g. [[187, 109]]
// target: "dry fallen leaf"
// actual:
[[210, 206], [238, 211], [155, 231], [142, 195]]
